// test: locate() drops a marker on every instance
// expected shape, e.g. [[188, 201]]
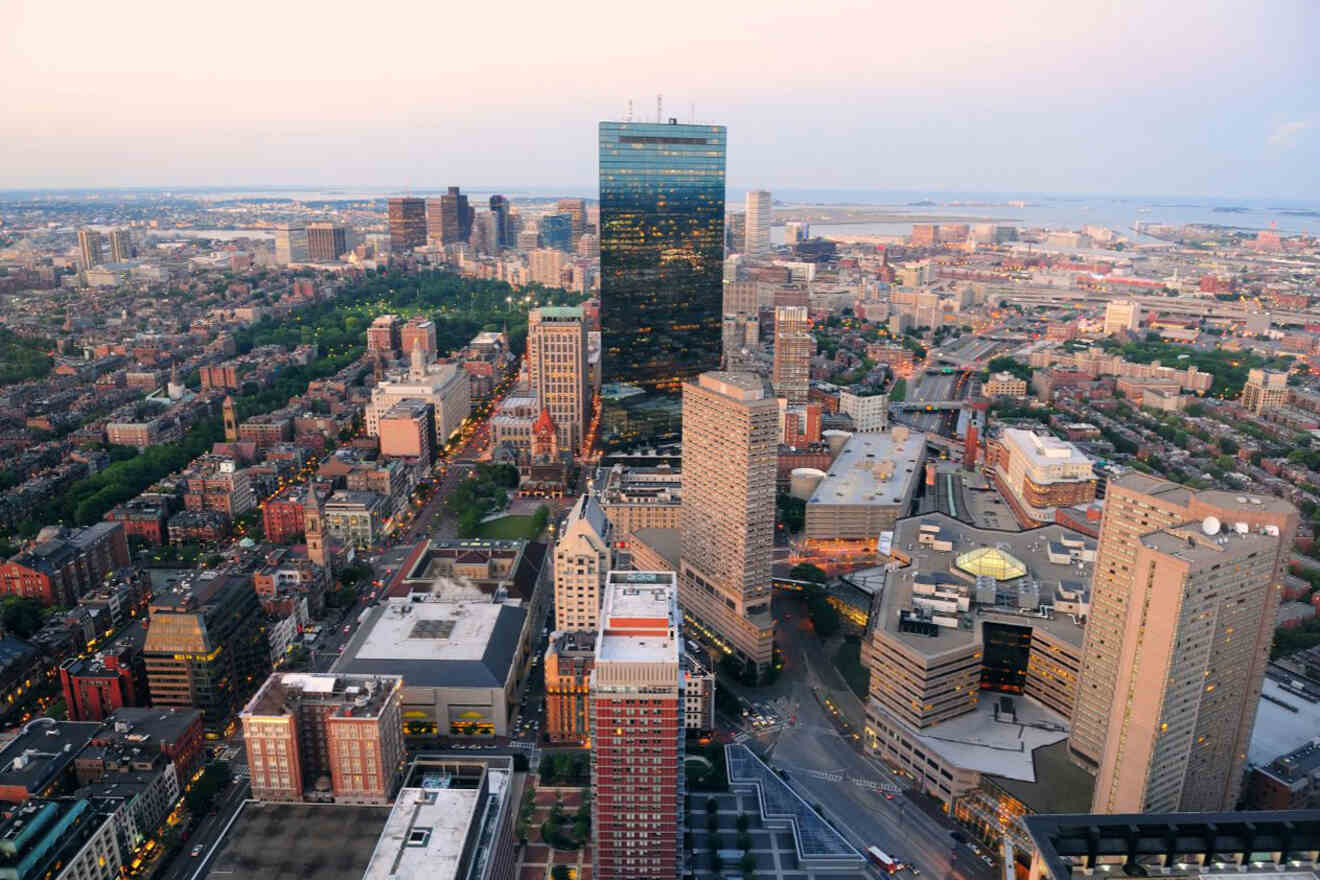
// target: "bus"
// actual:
[[880, 860]]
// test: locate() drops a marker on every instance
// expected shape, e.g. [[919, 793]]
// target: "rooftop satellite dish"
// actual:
[[1210, 525]]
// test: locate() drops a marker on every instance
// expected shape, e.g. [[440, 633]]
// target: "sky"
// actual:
[[1168, 97]]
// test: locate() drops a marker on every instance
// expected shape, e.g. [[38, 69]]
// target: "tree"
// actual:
[[792, 511], [560, 872], [22, 616], [805, 571]]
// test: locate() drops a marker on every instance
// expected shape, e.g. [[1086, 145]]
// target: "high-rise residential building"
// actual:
[[793, 345], [557, 368], [205, 645], [583, 556], [636, 707], [661, 251], [290, 244], [385, 336], [421, 331], [1265, 390], [89, 248], [730, 440], [546, 266], [407, 430], [449, 218], [121, 245], [302, 729], [499, 212], [576, 209], [326, 242], [1122, 316], [407, 223], [1183, 603], [758, 223]]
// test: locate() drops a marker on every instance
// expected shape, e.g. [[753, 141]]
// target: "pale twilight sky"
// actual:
[[1169, 97]]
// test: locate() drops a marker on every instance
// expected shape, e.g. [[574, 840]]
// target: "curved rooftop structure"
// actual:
[[991, 562]]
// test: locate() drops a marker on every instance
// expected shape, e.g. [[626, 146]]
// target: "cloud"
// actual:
[[1288, 133]]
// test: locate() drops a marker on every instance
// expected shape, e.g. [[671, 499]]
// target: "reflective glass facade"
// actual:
[[661, 251]]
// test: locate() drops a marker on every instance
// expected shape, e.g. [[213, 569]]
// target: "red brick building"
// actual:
[[145, 519], [60, 569], [220, 376], [114, 677], [636, 705]]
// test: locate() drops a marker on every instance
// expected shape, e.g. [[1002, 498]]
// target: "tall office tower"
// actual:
[[290, 244], [326, 242], [121, 245], [730, 440], [793, 345], [1183, 601], [407, 223], [89, 248], [576, 209], [499, 212], [557, 368], [636, 711], [449, 218], [301, 728], [557, 231], [582, 559], [1122, 316], [661, 251], [206, 646], [758, 223]]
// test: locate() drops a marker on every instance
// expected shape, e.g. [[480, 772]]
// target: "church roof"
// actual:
[[545, 423]]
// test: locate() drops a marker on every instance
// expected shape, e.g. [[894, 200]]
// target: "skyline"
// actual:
[[1046, 101]]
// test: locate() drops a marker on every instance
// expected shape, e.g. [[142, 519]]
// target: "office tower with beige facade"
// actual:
[[576, 209], [636, 708], [582, 559], [1182, 617], [1122, 316], [759, 215], [290, 244], [1265, 390], [324, 737], [121, 245], [557, 369], [730, 439], [445, 386], [793, 345]]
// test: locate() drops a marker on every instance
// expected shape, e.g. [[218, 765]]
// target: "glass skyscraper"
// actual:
[[661, 252]]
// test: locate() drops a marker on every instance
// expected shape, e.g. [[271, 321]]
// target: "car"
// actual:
[[197, 850]]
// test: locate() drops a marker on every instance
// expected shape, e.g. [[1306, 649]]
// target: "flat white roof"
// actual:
[[977, 741], [1045, 449], [633, 596], [872, 468], [1284, 723], [424, 835], [409, 630]]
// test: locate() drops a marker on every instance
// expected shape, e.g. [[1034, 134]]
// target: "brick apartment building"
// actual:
[[67, 564]]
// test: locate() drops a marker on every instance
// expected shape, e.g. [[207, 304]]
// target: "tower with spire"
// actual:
[[231, 419], [314, 528], [417, 362]]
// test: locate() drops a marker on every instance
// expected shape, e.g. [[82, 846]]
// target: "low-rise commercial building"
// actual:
[[869, 486]]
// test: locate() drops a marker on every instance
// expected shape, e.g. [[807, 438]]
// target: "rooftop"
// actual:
[[873, 468], [994, 742], [1044, 450], [437, 644], [1029, 549], [739, 386], [42, 751], [349, 695], [1287, 717], [639, 618], [424, 835], [280, 841]]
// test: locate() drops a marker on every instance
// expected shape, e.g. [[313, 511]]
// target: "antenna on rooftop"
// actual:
[[659, 108], [628, 118]]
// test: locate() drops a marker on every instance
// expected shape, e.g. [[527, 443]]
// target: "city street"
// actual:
[[854, 790]]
